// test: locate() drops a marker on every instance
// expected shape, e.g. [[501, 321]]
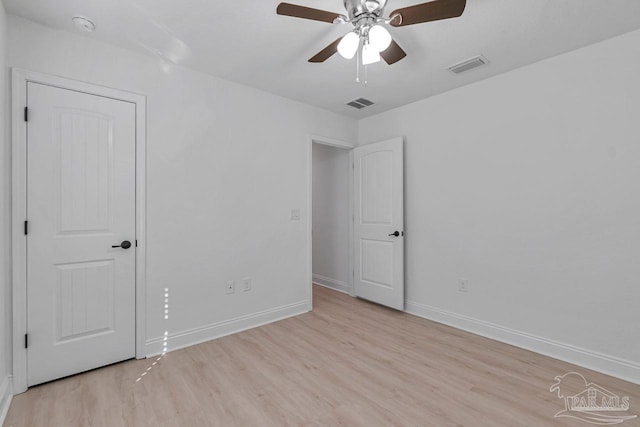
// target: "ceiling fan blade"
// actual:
[[327, 52], [393, 53], [427, 12], [296, 11]]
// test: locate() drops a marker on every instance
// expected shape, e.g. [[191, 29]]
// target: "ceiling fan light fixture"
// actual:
[[370, 54], [348, 46], [370, 33], [379, 37]]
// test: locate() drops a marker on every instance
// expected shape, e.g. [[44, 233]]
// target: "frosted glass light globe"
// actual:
[[348, 46], [379, 37], [370, 54]]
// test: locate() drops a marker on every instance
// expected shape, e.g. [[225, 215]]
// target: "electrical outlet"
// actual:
[[295, 214], [231, 287], [463, 285], [246, 284]]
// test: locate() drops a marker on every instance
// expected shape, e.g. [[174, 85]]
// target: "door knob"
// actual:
[[395, 234], [124, 245]]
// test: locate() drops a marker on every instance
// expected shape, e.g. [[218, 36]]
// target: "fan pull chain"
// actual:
[[358, 66], [366, 75]]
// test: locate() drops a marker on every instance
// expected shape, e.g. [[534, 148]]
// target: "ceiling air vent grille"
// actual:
[[360, 103], [469, 64]]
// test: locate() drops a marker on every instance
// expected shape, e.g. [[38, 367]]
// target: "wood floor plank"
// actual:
[[348, 363]]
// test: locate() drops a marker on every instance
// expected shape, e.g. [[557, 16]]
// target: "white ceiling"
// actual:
[[245, 41]]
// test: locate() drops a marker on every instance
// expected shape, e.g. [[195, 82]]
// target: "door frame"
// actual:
[[19, 80], [331, 142]]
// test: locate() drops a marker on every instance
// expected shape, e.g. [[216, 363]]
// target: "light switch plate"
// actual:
[[295, 214], [246, 284]]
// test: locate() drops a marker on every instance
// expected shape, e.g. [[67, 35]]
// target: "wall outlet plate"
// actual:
[[463, 285], [295, 214], [231, 287]]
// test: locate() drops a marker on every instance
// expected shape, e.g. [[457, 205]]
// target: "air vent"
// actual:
[[469, 64], [360, 103]]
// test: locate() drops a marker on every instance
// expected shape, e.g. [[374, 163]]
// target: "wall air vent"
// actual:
[[360, 103], [469, 64]]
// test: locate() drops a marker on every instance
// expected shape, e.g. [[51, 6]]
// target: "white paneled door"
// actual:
[[379, 223], [80, 204]]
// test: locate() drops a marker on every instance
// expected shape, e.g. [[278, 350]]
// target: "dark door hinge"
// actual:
[[26, 227], [26, 114], [26, 340]]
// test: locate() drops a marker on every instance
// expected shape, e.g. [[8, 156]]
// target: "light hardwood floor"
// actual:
[[348, 363]]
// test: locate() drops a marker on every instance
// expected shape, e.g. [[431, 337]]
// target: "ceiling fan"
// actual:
[[369, 37]]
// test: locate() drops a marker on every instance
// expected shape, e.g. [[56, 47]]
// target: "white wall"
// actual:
[[528, 185], [5, 307], [225, 166], [331, 216]]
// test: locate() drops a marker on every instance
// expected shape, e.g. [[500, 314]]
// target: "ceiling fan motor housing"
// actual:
[[358, 9]]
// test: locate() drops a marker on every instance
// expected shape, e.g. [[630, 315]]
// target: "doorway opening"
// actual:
[[330, 215], [356, 219], [331, 220]]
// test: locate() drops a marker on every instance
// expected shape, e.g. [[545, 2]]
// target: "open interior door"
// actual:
[[379, 222]]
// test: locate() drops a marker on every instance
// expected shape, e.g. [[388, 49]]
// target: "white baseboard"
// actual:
[[5, 398], [178, 340], [623, 369], [327, 282]]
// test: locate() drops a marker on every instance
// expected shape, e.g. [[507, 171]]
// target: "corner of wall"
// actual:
[[5, 398]]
